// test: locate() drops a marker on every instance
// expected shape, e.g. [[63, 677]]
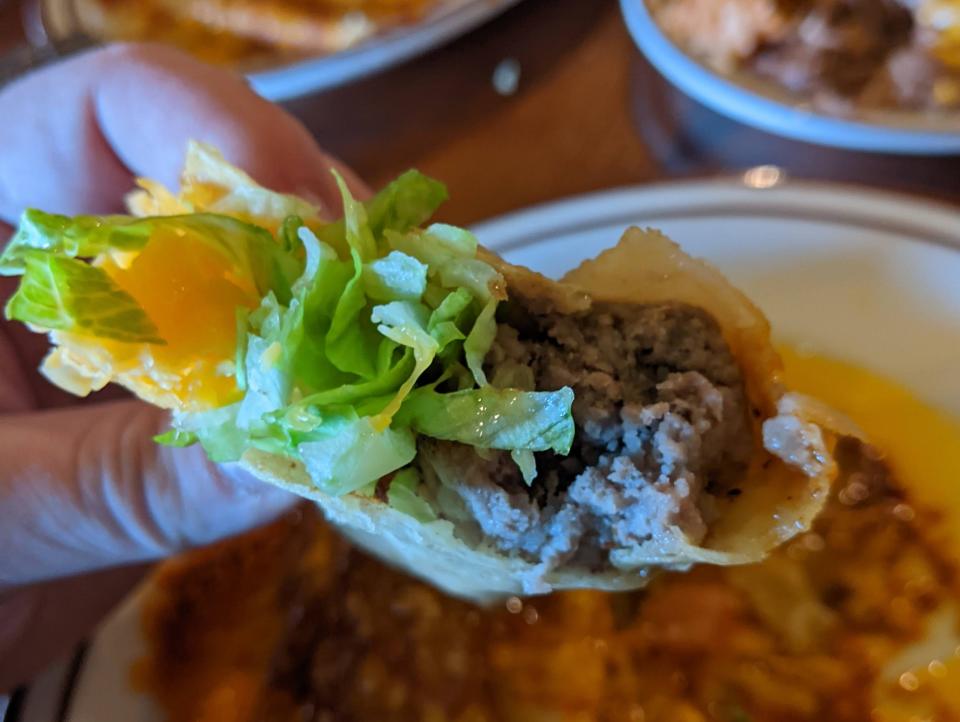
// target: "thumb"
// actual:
[[87, 488]]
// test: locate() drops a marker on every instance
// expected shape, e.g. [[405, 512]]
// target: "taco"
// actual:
[[486, 428]]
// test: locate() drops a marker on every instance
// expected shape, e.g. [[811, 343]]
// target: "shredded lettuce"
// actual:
[[60, 291], [404, 204], [351, 453], [81, 236], [396, 276], [402, 495], [526, 462], [176, 438], [251, 249], [405, 323], [216, 430], [364, 332], [491, 418], [65, 294], [481, 337], [212, 183]]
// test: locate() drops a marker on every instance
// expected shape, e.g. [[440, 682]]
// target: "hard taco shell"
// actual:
[[777, 501]]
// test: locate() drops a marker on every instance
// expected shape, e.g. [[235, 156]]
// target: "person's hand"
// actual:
[[86, 496]]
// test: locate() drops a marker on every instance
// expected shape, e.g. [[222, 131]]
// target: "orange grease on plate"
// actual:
[[291, 624], [920, 443]]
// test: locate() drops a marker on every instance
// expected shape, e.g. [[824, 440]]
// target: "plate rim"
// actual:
[[926, 222], [723, 94], [928, 216]]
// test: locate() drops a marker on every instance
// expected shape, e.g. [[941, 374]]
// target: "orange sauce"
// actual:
[[227, 591], [291, 623]]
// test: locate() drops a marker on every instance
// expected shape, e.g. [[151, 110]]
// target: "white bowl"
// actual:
[[765, 105]]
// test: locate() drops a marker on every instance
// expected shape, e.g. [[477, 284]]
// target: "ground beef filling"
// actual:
[[661, 417]]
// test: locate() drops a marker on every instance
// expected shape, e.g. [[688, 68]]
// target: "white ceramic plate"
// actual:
[[868, 277], [293, 79], [767, 106]]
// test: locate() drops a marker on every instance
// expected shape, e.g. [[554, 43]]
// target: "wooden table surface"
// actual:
[[566, 130], [588, 113]]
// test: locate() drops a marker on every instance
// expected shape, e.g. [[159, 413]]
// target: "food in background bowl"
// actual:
[[841, 55]]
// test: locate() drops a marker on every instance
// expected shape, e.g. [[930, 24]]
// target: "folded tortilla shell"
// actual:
[[778, 499]]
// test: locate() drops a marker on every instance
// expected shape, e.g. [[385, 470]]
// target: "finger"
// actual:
[[43, 621], [21, 351], [52, 153], [18, 392], [86, 488], [190, 100], [76, 133]]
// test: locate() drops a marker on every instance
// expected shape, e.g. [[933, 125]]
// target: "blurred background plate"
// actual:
[[766, 106], [284, 78], [829, 265]]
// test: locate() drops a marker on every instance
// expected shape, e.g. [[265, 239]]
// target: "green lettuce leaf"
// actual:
[[59, 291], [406, 324], [396, 276], [65, 294], [480, 340], [482, 280], [352, 340], [357, 229], [352, 453], [77, 237], [405, 203], [526, 462], [490, 418], [437, 246], [443, 323], [216, 430], [402, 496], [176, 438]]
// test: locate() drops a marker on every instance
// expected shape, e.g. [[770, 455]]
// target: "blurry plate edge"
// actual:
[[758, 104], [300, 77], [928, 220], [105, 669]]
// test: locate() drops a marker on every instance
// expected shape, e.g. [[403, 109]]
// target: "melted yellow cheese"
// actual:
[[921, 443], [191, 293]]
